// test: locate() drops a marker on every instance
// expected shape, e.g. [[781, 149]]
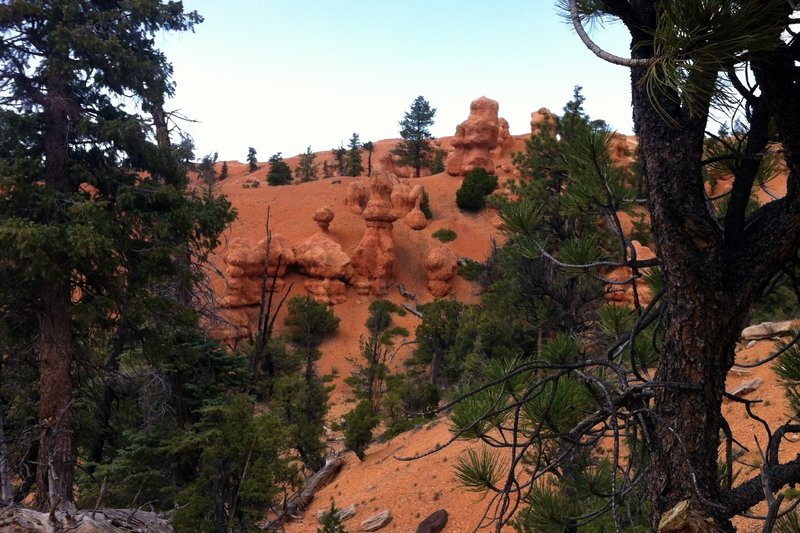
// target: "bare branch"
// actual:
[[646, 263], [599, 52]]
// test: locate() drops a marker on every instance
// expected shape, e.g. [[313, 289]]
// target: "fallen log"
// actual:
[[412, 310], [298, 502], [14, 518]]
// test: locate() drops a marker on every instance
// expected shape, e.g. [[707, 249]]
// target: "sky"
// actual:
[[283, 75]]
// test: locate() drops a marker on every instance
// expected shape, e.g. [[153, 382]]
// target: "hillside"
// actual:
[[411, 490]]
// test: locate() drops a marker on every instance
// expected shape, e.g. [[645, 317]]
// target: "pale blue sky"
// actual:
[[280, 75]]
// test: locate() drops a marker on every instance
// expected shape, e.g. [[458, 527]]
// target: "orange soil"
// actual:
[[412, 490]]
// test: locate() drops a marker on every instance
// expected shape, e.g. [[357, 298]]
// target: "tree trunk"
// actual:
[[710, 288], [436, 363], [54, 474], [698, 351], [101, 521], [103, 413], [54, 348], [5, 473], [686, 418]]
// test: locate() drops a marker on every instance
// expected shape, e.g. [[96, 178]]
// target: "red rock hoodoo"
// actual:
[[475, 138], [374, 256]]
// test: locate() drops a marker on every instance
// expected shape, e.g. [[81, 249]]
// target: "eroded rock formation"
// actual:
[[244, 280], [244, 269], [319, 256], [374, 257], [441, 266], [540, 117], [415, 219], [326, 291], [475, 138], [623, 293], [504, 139], [406, 201], [324, 260], [401, 198], [323, 217], [388, 165], [356, 197]]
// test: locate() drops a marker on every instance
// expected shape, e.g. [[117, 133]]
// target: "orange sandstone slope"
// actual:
[[412, 490]]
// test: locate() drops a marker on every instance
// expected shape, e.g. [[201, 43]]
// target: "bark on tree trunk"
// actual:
[[704, 308], [710, 288], [55, 469], [5, 475], [697, 352], [54, 474], [436, 362]]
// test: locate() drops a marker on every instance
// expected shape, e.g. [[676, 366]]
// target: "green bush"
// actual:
[[419, 399], [359, 424], [444, 234], [425, 205], [471, 270], [476, 185], [437, 165], [331, 523]]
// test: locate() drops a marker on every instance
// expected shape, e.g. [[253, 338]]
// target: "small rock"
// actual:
[[767, 330], [434, 523], [376, 521], [746, 387], [752, 343], [345, 513]]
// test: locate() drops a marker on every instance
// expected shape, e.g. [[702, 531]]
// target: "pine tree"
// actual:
[[477, 184], [95, 197], [352, 164], [689, 61], [437, 165], [302, 401], [359, 424], [436, 335], [206, 170], [308, 323], [339, 155], [376, 349], [369, 146], [244, 464], [306, 166], [415, 148], [326, 170], [279, 172], [251, 159], [715, 257], [223, 173]]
